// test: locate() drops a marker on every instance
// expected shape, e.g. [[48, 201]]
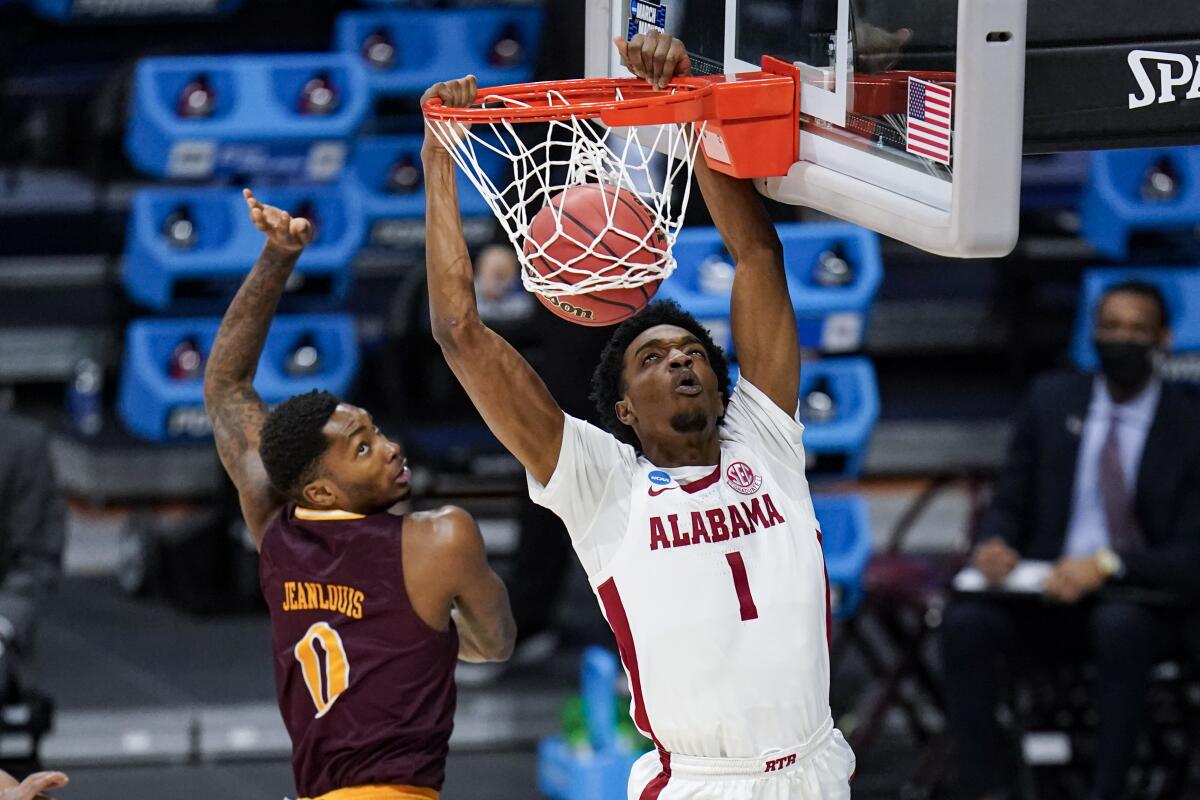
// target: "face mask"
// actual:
[[1126, 364]]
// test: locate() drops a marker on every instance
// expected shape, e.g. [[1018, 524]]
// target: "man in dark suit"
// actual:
[[1103, 480], [32, 529]]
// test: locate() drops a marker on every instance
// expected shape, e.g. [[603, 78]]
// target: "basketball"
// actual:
[[584, 212]]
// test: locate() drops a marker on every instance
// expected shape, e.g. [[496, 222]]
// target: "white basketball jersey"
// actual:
[[712, 579]]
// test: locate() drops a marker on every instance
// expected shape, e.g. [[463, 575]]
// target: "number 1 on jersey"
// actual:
[[742, 584], [334, 668]]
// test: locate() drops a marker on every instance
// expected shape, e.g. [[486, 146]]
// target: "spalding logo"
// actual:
[[741, 478], [585, 313], [1175, 71], [659, 478]]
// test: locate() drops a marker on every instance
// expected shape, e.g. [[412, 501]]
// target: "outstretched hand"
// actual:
[[35, 786], [657, 57], [458, 93], [282, 229]]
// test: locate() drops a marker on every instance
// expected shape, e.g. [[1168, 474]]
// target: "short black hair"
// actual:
[[608, 380], [1145, 289], [292, 440]]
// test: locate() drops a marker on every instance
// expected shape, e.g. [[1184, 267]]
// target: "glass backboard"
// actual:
[[910, 113]]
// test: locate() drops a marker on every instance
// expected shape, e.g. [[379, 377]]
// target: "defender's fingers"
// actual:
[[302, 229], [251, 200]]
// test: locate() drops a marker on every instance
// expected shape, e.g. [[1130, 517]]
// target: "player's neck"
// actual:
[[700, 449]]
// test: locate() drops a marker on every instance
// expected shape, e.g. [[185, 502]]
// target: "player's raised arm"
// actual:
[[510, 396], [764, 324], [236, 410]]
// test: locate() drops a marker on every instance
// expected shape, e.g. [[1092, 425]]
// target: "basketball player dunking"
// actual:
[[692, 514], [370, 610]]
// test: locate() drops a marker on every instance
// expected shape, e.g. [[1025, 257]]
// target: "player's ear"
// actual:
[[625, 413], [320, 494]]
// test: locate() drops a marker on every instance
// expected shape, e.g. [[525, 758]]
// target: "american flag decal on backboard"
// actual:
[[930, 123]]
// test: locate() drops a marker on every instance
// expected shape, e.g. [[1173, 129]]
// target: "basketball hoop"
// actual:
[[602, 134], [584, 138]]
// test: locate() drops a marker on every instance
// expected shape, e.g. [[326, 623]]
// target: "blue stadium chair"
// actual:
[[1114, 207], [368, 179], [1053, 180], [156, 407], [600, 769], [91, 11], [1180, 286], [846, 540], [435, 45], [160, 276], [257, 128], [831, 319], [838, 448]]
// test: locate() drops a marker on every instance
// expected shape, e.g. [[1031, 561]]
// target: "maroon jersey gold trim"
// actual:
[[365, 686]]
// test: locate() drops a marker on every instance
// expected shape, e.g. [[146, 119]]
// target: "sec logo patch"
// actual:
[[741, 478]]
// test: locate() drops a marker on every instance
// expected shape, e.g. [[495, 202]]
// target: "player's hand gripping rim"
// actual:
[[657, 57], [458, 93]]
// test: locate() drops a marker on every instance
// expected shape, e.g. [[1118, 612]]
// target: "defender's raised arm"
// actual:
[[236, 410]]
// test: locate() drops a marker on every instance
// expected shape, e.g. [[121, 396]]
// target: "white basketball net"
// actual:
[[648, 162]]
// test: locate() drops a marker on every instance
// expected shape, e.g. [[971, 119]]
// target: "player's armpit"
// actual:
[[486, 628]]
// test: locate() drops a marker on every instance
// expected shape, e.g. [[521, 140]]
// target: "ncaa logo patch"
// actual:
[[741, 478], [659, 478]]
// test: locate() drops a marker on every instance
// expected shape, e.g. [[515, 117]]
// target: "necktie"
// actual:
[[1116, 494]]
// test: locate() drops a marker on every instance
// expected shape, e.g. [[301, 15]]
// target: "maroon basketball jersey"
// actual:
[[365, 687]]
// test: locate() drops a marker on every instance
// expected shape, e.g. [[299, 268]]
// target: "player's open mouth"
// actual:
[[405, 474], [687, 384]]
